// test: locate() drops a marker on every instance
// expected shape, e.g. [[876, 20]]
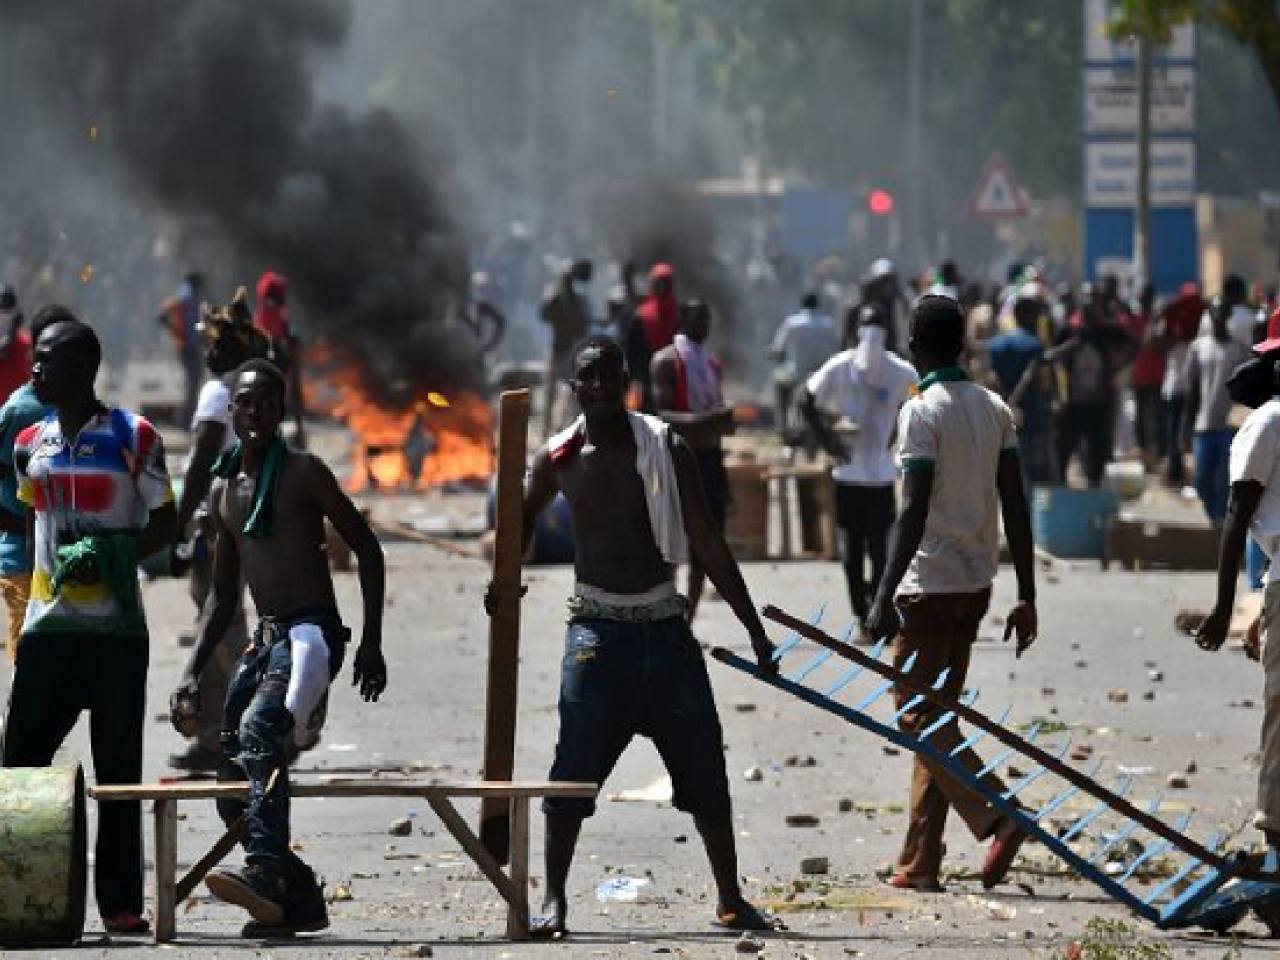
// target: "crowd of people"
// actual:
[[1000, 394]]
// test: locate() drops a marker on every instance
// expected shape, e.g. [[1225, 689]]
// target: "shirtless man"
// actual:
[[631, 665], [269, 505], [685, 380]]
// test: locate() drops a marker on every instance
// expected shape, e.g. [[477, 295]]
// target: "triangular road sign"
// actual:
[[997, 195]]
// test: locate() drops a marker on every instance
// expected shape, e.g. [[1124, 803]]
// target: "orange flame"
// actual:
[[436, 439]]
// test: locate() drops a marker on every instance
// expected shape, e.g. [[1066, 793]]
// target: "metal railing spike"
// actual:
[[977, 737], [811, 666], [1206, 888]]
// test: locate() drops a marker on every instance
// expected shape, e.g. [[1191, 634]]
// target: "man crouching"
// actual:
[[631, 664], [269, 505]]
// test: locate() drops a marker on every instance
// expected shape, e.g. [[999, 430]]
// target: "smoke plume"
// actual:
[[210, 110]]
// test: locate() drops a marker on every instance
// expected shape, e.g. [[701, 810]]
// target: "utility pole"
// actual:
[[1142, 211], [915, 101]]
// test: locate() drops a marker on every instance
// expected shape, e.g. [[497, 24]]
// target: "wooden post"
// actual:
[[166, 856], [504, 620], [518, 915]]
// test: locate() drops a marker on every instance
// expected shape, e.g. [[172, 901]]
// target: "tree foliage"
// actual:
[[1254, 23]]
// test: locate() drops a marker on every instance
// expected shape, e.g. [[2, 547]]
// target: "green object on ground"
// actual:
[[42, 855]]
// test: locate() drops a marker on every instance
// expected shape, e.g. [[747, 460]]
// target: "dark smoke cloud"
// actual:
[[659, 219], [209, 108]]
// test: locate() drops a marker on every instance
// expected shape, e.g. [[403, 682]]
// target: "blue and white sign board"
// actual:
[[1110, 167]]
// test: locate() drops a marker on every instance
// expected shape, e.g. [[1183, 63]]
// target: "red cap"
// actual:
[[1273, 334], [661, 271]]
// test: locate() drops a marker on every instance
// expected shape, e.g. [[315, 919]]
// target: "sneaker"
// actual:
[[304, 909], [196, 759], [126, 921], [258, 890]]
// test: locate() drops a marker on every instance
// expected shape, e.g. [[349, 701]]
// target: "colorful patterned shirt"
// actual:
[[106, 481]]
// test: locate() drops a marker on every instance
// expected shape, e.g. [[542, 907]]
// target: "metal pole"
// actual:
[[915, 99], [1142, 213]]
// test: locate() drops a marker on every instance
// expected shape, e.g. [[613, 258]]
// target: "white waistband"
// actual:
[[661, 592]]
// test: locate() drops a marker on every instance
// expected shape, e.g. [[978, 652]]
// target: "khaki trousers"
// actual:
[[940, 629], [1268, 816], [16, 588]]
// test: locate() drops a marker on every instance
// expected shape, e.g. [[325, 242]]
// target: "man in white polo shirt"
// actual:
[[959, 459], [1254, 508]]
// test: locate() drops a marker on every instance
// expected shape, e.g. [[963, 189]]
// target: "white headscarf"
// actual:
[[869, 354]]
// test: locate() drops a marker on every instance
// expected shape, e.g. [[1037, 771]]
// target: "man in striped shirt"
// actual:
[[98, 501]]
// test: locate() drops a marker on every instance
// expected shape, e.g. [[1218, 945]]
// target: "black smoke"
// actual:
[[209, 109], [658, 218]]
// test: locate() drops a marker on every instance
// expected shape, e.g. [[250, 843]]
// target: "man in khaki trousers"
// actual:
[[959, 457]]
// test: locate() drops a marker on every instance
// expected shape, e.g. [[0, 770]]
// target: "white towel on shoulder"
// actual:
[[657, 471]]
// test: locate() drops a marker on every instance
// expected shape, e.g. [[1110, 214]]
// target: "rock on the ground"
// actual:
[[753, 775], [401, 828], [815, 865]]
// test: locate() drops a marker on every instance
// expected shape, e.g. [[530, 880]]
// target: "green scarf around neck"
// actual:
[[262, 516]]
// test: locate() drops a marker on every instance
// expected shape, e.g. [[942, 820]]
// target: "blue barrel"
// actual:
[[1073, 523]]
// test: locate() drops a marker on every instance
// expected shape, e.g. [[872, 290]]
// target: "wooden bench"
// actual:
[[514, 887]]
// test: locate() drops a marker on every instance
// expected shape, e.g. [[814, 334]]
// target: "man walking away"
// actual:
[[84, 644], [803, 343], [960, 468], [1212, 359], [851, 403]]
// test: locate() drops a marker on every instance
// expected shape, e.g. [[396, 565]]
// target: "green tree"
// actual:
[[1254, 23]]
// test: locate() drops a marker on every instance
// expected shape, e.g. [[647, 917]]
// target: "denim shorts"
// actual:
[[623, 679]]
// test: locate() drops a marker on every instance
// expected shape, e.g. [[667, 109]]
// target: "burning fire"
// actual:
[[437, 439]]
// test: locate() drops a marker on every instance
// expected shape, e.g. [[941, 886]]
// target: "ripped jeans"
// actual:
[[290, 662]]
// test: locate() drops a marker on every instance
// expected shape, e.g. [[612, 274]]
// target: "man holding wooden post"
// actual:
[[631, 664]]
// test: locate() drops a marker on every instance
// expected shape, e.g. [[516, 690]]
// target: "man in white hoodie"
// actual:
[[852, 404]]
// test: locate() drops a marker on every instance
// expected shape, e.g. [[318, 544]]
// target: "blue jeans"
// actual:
[[257, 729], [1212, 451], [1255, 565], [622, 679]]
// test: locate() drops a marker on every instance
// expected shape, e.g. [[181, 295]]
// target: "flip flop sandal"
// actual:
[[547, 928], [748, 919]]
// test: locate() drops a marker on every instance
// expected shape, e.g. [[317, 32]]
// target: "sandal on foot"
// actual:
[[921, 883], [747, 917], [547, 927]]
